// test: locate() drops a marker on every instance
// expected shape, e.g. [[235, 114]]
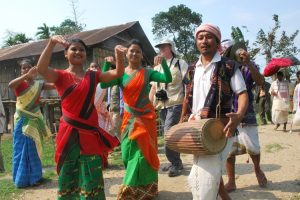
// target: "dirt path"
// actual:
[[280, 161]]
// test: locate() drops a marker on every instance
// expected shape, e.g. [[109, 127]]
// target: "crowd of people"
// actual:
[[112, 105]]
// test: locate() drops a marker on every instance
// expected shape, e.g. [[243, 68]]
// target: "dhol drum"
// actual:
[[198, 137]]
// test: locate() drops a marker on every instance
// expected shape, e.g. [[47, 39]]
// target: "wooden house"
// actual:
[[100, 42]]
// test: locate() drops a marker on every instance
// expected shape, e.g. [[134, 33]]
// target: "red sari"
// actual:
[[79, 123]]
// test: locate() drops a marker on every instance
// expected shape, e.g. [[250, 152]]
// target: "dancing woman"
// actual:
[[80, 142], [30, 127], [138, 130]]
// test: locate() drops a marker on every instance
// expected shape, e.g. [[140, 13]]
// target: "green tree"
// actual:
[[67, 27], [238, 36], [16, 38], [270, 45], [43, 32], [179, 23]]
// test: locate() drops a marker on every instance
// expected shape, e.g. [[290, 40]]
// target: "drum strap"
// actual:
[[218, 107]]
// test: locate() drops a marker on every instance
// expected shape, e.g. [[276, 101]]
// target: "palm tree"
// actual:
[[43, 32], [21, 38], [16, 38], [10, 41]]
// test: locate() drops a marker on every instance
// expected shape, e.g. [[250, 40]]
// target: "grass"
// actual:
[[50, 175], [47, 157], [115, 158], [7, 189], [160, 141], [272, 148], [6, 145]]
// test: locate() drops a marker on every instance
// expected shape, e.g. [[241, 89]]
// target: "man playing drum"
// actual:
[[214, 77]]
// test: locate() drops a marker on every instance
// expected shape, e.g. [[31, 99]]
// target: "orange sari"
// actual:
[[139, 139]]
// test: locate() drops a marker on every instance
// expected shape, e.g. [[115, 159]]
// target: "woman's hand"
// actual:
[[59, 39], [120, 51], [157, 60], [32, 73], [110, 59]]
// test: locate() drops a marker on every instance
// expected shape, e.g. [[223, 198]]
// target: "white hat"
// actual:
[[167, 41], [225, 44]]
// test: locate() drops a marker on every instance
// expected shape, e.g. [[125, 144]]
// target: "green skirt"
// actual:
[[81, 177], [140, 181]]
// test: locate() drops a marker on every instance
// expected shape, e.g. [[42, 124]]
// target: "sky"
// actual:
[[25, 16]]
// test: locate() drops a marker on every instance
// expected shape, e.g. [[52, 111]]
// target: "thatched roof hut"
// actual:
[[100, 42]]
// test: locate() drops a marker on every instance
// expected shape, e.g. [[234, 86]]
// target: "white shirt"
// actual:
[[296, 97], [282, 90], [175, 89], [202, 82], [97, 93]]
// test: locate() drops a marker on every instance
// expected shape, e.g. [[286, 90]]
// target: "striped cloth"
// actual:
[[81, 176], [27, 166]]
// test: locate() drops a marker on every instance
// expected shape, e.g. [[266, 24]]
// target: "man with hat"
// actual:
[[168, 98], [247, 140], [214, 81]]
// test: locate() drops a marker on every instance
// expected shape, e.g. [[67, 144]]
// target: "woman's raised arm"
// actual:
[[110, 75], [43, 64]]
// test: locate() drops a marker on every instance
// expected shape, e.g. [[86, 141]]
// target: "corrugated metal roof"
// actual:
[[89, 37]]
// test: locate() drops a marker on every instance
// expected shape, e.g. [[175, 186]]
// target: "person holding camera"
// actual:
[[168, 98]]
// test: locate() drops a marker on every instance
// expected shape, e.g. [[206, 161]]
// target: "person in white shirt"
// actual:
[[168, 98], [296, 96], [212, 72], [104, 119], [280, 108]]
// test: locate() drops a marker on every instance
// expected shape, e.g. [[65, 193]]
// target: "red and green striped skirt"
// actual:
[[81, 177]]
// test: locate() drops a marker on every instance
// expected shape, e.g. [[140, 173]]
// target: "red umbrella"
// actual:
[[276, 63]]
